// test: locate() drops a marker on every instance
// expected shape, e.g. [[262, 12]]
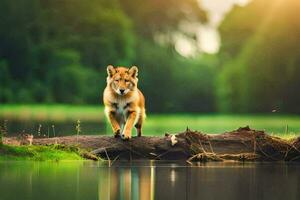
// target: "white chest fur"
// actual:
[[122, 107]]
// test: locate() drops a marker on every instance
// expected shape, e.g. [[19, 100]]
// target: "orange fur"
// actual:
[[124, 102]]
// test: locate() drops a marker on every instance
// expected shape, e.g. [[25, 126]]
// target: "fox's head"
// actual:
[[121, 79]]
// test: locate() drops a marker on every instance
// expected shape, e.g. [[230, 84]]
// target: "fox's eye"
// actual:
[[126, 81], [116, 81]]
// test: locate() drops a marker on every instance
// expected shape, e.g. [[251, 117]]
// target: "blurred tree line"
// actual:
[[56, 51], [52, 51], [260, 58]]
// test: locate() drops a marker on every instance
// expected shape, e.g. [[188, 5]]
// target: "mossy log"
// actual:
[[243, 144]]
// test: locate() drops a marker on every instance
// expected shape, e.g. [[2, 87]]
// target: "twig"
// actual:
[[254, 144], [202, 146], [211, 149], [269, 156], [115, 159], [162, 154], [295, 158], [109, 162], [291, 147], [191, 158], [133, 150]]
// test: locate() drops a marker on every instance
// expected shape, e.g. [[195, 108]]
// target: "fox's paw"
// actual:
[[126, 136], [117, 134]]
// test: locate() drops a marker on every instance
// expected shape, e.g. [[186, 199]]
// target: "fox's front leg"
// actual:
[[114, 123], [132, 115]]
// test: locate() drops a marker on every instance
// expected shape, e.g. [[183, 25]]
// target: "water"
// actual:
[[148, 180]]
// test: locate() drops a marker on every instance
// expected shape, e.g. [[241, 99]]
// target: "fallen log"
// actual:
[[243, 144]]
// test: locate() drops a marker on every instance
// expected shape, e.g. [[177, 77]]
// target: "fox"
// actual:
[[124, 103]]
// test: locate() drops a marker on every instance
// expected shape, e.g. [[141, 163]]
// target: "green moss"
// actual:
[[39, 153]]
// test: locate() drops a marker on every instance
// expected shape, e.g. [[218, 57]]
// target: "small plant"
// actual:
[[286, 129], [5, 127], [3, 131], [30, 139], [1, 135], [39, 129], [78, 129], [53, 130]]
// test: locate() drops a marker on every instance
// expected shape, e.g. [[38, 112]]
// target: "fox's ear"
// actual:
[[133, 71], [110, 70]]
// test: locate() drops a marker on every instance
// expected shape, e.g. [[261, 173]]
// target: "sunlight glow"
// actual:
[[209, 39], [208, 36], [184, 47], [216, 10]]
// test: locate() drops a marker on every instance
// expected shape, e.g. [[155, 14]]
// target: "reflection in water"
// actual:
[[148, 181], [127, 183]]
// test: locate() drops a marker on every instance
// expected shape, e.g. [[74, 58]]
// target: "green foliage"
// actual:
[[164, 74], [175, 84], [5, 82], [154, 16], [264, 75], [239, 26], [51, 47], [39, 153], [71, 82], [56, 51]]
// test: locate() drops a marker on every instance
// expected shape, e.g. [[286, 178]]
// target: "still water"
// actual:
[[148, 180]]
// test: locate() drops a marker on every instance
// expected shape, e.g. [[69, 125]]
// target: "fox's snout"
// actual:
[[122, 91]]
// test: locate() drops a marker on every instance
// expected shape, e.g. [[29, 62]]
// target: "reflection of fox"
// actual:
[[124, 102]]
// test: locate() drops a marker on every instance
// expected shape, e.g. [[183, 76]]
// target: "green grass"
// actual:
[[273, 124], [156, 124], [55, 112], [284, 126], [39, 153]]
